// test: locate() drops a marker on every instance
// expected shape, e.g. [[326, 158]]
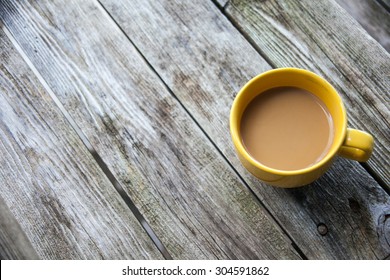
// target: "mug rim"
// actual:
[[336, 144]]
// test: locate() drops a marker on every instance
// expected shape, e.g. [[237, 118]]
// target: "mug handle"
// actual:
[[358, 145]]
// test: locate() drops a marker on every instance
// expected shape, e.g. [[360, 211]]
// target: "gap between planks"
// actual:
[[117, 185], [385, 4], [242, 32], [119, 188], [369, 170], [140, 44], [293, 243], [199, 132]]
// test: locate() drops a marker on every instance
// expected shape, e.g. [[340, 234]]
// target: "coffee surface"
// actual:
[[287, 128]]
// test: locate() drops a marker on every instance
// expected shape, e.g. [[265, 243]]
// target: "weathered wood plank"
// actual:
[[62, 200], [14, 244], [205, 61], [188, 193], [372, 16], [324, 38]]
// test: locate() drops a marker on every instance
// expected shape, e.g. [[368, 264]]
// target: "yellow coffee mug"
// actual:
[[349, 143]]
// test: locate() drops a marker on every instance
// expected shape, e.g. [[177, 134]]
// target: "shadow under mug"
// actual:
[[349, 143]]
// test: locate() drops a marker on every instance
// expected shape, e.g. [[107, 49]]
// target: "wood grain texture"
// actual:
[[187, 192], [205, 61], [372, 17], [14, 244], [64, 203], [325, 39], [385, 4]]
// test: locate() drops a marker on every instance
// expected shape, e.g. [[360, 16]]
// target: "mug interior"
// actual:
[[290, 77]]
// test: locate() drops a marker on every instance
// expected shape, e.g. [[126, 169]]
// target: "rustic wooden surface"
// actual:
[[188, 193], [372, 16], [150, 85], [328, 41], [207, 44], [51, 183], [384, 3], [14, 243]]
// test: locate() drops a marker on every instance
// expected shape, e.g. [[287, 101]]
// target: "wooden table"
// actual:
[[114, 131]]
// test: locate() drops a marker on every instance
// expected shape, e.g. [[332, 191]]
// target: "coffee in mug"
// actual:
[[289, 124], [287, 128]]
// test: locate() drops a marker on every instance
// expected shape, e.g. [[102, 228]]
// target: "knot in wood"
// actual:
[[322, 229]]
